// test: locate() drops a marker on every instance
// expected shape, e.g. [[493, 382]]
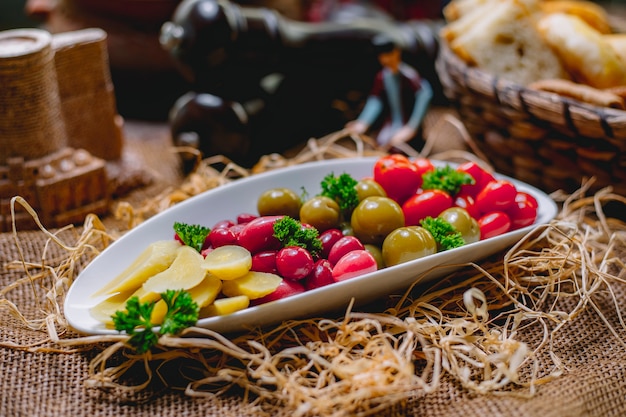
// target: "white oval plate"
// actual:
[[240, 196]]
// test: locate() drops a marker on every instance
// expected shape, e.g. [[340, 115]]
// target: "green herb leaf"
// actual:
[[290, 232], [447, 179], [446, 236], [135, 321], [182, 311], [192, 235], [342, 190]]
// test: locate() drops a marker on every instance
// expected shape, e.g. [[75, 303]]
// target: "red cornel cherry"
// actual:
[[353, 264], [294, 262]]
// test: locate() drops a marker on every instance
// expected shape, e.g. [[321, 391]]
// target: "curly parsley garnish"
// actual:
[[192, 235], [446, 236], [290, 232], [446, 179], [342, 190], [182, 312]]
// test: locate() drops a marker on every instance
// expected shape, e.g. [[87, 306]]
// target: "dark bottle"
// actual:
[[319, 73]]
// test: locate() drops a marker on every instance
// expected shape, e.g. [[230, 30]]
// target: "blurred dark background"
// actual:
[[145, 78]]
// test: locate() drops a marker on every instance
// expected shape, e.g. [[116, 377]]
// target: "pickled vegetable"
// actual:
[[252, 285], [157, 257], [184, 273], [228, 262], [224, 306]]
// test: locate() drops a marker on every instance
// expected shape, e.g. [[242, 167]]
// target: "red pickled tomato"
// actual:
[[481, 178], [353, 264], [264, 261], [523, 212], [294, 262], [221, 236], [467, 202], [524, 196], [398, 176], [494, 224], [236, 229], [328, 238], [285, 289], [321, 275], [343, 246], [497, 195], [258, 234], [423, 204], [223, 223], [423, 165], [245, 218]]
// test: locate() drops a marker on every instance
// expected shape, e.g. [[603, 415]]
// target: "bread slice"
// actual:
[[456, 9], [585, 53], [593, 14], [501, 38], [618, 43]]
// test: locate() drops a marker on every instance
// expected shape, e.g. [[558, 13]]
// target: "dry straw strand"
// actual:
[[472, 327]]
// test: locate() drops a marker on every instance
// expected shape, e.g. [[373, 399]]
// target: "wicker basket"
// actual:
[[540, 138]]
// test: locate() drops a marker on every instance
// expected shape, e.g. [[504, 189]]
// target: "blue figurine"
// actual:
[[399, 92]]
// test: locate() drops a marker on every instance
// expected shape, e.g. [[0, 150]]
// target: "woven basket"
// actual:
[[541, 138]]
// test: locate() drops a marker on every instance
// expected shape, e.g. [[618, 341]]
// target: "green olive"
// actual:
[[321, 212], [377, 253], [368, 188], [406, 244], [375, 217], [279, 201], [346, 228], [461, 220]]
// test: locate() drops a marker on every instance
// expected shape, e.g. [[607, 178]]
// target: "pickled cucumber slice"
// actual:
[[156, 258], [185, 272], [207, 291], [252, 285], [228, 262], [224, 306], [158, 312], [117, 302]]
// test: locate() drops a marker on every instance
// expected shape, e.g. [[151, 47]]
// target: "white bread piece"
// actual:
[[501, 38], [586, 55], [456, 9], [618, 43], [592, 13]]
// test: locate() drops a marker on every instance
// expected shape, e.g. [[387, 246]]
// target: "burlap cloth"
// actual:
[[35, 383]]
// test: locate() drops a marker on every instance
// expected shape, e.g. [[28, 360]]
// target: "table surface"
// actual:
[[51, 381]]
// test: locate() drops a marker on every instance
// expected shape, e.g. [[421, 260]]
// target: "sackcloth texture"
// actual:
[[53, 383]]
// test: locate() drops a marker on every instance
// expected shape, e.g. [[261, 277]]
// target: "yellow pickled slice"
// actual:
[[207, 291], [228, 262], [158, 312], [185, 272], [117, 302], [252, 285], [157, 257], [224, 306], [105, 309]]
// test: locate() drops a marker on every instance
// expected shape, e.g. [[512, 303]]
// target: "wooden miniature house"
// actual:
[[58, 126]]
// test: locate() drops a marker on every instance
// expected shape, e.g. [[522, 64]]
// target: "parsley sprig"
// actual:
[[447, 179], [182, 312], [192, 235], [290, 232], [342, 190], [446, 236]]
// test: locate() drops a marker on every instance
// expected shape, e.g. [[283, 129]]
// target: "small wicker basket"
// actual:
[[544, 139]]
